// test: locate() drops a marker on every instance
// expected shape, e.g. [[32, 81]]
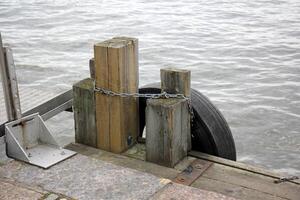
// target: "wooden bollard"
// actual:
[[85, 112], [167, 127], [116, 69], [177, 81]]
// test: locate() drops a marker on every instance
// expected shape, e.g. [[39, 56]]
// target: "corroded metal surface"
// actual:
[[81, 177], [175, 191], [192, 172]]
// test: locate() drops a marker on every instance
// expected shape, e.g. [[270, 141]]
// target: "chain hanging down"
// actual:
[[163, 95]]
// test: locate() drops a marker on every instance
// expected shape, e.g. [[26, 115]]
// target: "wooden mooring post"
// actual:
[[168, 121], [84, 110], [116, 69]]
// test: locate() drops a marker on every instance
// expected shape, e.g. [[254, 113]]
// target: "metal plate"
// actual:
[[192, 172], [46, 156]]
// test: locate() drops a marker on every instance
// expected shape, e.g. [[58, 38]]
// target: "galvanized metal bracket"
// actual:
[[192, 172], [29, 140]]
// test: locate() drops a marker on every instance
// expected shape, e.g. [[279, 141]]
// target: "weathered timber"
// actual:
[[85, 112], [257, 182], [177, 81], [116, 66], [9, 82], [92, 68], [167, 125], [233, 190], [239, 165]]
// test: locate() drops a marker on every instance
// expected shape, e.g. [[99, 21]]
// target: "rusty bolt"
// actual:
[[198, 166], [181, 179]]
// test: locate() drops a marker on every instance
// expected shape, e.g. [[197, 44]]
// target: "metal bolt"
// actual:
[[198, 166], [181, 179]]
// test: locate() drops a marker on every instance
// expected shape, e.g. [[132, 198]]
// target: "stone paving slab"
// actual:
[[14, 191], [174, 191], [81, 177]]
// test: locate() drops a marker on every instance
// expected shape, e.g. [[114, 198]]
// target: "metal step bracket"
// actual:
[[29, 140]]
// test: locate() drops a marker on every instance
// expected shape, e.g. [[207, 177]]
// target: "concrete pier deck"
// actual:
[[97, 174], [82, 177]]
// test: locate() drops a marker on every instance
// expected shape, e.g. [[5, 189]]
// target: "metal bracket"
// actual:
[[29, 140]]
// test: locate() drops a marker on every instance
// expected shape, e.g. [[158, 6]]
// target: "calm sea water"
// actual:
[[244, 55]]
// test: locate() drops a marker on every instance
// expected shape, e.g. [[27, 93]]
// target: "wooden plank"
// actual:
[[239, 165], [177, 81], [102, 101], [85, 112], [253, 181], [232, 190], [116, 63], [166, 141], [118, 128], [131, 77]]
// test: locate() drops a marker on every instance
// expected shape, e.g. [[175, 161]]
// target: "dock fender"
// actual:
[[209, 129]]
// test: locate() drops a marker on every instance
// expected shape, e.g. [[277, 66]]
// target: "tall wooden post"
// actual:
[[177, 81], [116, 69], [10, 84]]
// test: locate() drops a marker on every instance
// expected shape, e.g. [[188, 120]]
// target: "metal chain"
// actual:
[[163, 95]]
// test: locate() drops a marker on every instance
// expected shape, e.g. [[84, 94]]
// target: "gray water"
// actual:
[[244, 55]]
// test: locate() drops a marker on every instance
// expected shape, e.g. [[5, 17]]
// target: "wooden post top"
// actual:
[[117, 42], [176, 81], [165, 102], [175, 70]]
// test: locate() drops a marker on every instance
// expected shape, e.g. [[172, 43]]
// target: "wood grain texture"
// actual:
[[10, 83], [177, 81], [232, 190], [253, 181], [239, 165], [85, 112], [116, 69], [166, 119], [92, 68]]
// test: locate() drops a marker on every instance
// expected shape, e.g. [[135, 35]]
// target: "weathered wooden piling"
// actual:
[[167, 127], [84, 109], [177, 81], [116, 69], [168, 120]]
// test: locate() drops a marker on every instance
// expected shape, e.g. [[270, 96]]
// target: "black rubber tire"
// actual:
[[210, 131]]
